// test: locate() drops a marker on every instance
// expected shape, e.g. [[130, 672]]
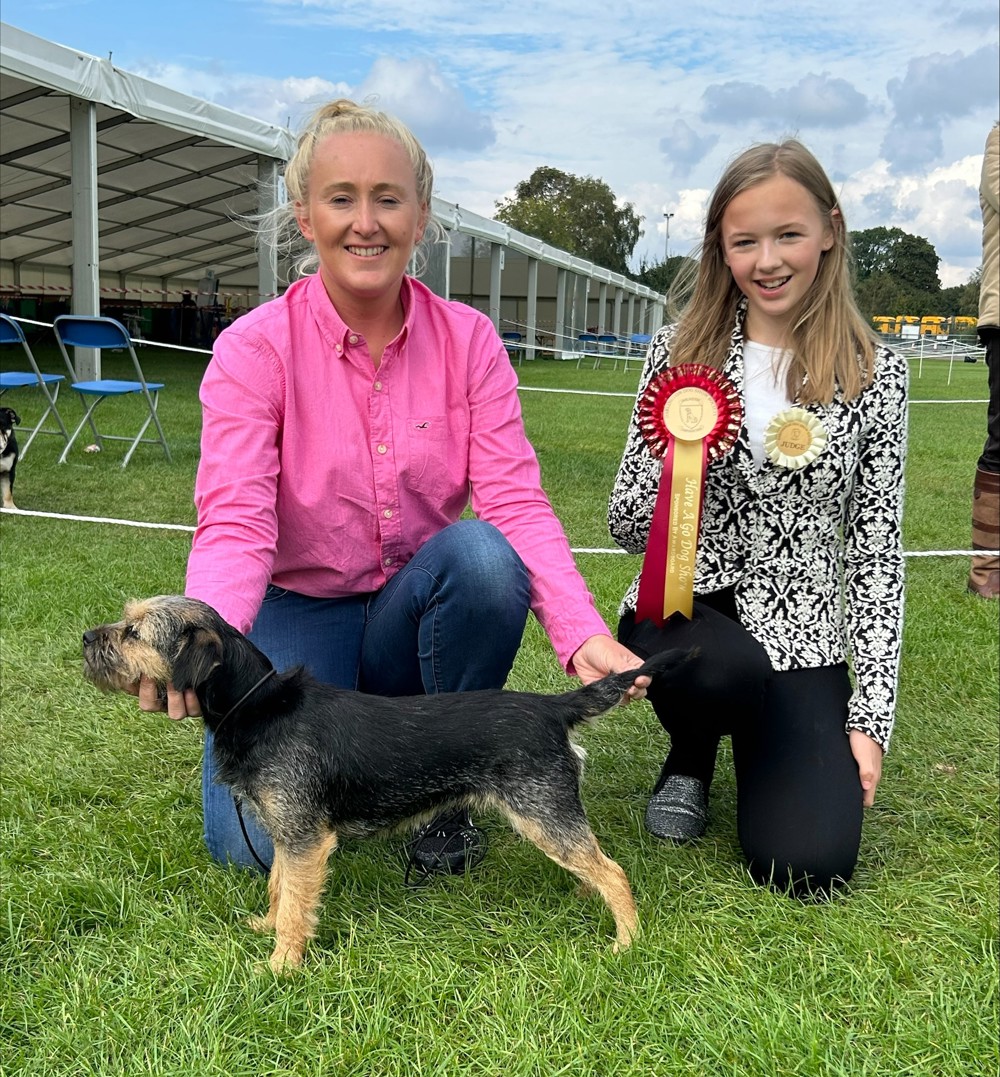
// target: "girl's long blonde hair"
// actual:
[[831, 343], [279, 226]]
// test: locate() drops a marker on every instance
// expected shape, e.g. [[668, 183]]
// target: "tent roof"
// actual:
[[172, 173], [172, 170]]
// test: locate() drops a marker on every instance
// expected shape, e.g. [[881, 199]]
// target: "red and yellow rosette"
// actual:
[[689, 414]]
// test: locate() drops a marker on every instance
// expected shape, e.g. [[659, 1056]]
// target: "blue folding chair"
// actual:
[[12, 333], [637, 344], [81, 331], [512, 342], [588, 347], [607, 344]]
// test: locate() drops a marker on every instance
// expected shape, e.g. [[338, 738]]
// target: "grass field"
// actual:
[[122, 946]]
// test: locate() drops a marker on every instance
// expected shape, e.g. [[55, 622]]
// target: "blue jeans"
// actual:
[[451, 620]]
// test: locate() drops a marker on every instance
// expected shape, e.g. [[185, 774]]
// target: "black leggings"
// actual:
[[799, 796]]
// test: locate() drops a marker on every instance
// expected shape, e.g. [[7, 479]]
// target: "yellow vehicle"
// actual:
[[961, 323], [884, 324], [931, 325], [907, 325]]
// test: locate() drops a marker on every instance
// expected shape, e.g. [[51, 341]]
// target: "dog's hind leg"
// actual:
[[295, 898], [577, 851]]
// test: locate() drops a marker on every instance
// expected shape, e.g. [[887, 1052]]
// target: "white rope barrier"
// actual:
[[631, 396], [69, 517]]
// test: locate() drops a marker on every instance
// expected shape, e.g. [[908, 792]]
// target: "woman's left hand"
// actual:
[[598, 656], [868, 756]]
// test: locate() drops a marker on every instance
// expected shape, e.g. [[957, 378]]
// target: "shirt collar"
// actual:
[[335, 330]]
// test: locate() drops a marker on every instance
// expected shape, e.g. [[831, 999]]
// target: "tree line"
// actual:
[[895, 272]]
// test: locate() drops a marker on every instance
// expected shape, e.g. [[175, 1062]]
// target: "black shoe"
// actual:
[[449, 844], [678, 811]]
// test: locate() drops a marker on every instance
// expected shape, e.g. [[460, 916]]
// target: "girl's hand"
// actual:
[[869, 759]]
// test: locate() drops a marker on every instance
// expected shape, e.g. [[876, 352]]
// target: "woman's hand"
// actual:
[[598, 656], [177, 704], [869, 759]]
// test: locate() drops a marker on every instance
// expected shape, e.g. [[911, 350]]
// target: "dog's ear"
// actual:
[[199, 653]]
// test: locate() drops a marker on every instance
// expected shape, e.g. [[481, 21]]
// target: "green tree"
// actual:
[[910, 261], [968, 302], [579, 215], [660, 275], [878, 294]]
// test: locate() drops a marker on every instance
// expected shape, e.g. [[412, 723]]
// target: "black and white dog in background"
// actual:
[[8, 455]]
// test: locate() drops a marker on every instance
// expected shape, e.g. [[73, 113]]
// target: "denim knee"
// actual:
[[224, 837], [480, 561]]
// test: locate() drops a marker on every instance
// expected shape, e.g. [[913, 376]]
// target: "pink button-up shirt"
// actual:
[[323, 475]]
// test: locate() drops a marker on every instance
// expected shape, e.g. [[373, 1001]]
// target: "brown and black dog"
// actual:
[[8, 455], [316, 762]]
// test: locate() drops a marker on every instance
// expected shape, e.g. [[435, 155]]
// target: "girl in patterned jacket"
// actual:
[[798, 580]]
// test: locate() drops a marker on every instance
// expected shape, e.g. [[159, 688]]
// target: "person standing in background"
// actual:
[[984, 577]]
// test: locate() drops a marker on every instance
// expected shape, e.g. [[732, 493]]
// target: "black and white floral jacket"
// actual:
[[814, 554]]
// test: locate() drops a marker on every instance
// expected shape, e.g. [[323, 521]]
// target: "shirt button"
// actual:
[[339, 348], [383, 449], [353, 338], [388, 561], [378, 387], [387, 513]]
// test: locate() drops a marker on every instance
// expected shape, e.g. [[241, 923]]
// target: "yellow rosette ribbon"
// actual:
[[689, 414], [794, 438]]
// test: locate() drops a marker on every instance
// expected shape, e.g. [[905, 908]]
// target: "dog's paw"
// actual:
[[626, 936], [284, 961], [263, 925]]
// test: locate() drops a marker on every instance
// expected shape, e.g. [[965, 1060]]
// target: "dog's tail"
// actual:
[[600, 696]]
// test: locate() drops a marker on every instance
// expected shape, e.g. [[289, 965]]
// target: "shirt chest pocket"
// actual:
[[434, 457]]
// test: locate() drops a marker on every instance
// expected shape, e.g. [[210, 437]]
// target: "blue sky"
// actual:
[[651, 96]]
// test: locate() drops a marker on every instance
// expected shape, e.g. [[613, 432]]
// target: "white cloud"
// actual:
[[936, 89], [816, 100], [418, 93], [287, 102], [941, 205]]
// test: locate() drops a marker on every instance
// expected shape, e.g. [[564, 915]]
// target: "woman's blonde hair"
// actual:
[[831, 343], [279, 226]]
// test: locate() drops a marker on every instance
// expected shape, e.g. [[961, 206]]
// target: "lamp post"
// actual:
[[666, 253]]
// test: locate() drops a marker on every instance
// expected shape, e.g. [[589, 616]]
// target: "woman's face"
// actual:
[[773, 239], [362, 215]]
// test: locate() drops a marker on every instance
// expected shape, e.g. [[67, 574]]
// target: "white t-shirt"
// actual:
[[764, 392]]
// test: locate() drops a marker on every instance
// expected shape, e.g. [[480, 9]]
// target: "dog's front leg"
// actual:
[[265, 924], [295, 899]]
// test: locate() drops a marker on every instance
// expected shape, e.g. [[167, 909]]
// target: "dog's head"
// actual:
[[8, 420], [168, 638]]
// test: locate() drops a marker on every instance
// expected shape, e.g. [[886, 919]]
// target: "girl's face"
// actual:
[[363, 215], [773, 239]]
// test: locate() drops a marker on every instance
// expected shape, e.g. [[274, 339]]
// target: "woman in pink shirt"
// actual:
[[347, 426]]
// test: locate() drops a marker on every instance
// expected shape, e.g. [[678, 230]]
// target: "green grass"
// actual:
[[123, 950]]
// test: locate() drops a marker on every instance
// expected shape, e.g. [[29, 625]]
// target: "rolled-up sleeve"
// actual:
[[507, 491]]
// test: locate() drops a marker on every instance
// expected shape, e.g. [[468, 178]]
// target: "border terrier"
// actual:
[[317, 763]]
